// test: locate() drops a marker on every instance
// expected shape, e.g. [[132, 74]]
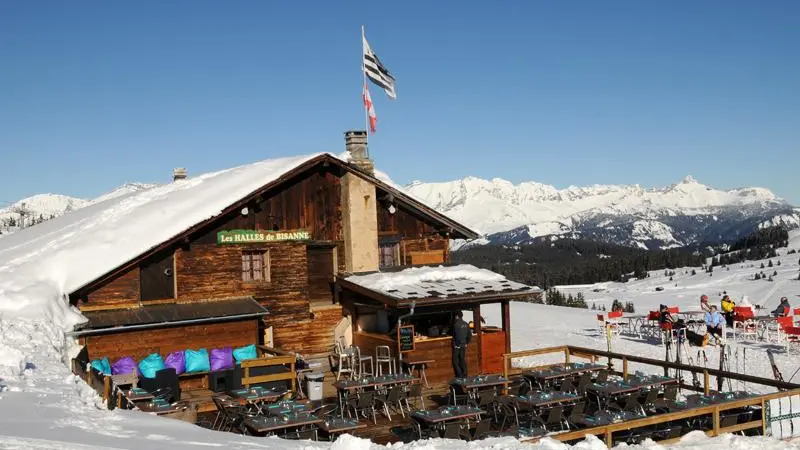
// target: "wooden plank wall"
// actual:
[[140, 343], [493, 345], [417, 236], [441, 351], [319, 334], [118, 291], [320, 271]]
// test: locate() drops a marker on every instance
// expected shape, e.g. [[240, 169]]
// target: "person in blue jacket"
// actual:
[[714, 323]]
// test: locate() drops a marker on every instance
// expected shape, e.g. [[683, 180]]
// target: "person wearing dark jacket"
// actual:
[[461, 337], [783, 308]]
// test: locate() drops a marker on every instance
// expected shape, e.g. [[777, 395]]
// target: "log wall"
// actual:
[[118, 291], [140, 343]]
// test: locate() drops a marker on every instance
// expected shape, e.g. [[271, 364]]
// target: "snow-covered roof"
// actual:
[[41, 264], [440, 282]]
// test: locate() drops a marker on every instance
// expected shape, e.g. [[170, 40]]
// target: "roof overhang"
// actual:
[[471, 295], [167, 315]]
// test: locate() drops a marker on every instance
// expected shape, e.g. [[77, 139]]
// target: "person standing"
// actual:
[[461, 338]]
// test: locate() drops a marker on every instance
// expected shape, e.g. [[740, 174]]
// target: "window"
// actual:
[[390, 254], [255, 266]]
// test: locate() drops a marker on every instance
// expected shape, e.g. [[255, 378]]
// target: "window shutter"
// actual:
[[266, 266]]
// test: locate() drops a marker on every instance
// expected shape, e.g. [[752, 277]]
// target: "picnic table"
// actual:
[[607, 418], [286, 407], [137, 395], [158, 407], [273, 424], [541, 376], [471, 385]]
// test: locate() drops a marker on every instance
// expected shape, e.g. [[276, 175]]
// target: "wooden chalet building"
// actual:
[[279, 266]]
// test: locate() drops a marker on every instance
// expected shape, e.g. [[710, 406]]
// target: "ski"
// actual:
[[775, 371]]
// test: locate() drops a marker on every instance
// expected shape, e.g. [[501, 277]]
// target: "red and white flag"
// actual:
[[373, 119]]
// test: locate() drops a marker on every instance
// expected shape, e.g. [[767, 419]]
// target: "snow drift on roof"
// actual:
[[441, 281], [40, 264]]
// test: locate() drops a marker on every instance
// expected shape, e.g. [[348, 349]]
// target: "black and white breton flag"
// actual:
[[377, 72]]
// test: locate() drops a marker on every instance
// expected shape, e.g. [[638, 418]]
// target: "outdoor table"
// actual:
[[286, 407], [158, 407], [607, 418], [256, 396], [472, 384], [437, 417], [273, 424], [542, 376], [339, 425], [420, 366], [613, 389], [137, 395], [542, 399], [634, 323], [714, 398], [345, 387]]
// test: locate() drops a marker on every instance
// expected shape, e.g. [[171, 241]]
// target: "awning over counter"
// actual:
[[431, 286]]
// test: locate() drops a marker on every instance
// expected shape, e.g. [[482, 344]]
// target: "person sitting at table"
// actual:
[[714, 321], [727, 305], [783, 308], [461, 337]]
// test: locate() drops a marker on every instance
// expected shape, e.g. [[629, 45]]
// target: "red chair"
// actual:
[[615, 314], [788, 334], [673, 309], [743, 323]]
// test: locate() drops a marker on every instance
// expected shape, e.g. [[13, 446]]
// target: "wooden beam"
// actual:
[[625, 368], [505, 309], [706, 382], [476, 321]]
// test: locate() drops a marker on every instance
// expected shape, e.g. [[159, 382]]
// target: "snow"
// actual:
[[497, 205], [416, 282]]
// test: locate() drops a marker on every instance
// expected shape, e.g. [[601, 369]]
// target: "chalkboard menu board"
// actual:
[[405, 338]]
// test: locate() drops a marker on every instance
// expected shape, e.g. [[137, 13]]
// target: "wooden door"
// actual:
[[157, 279], [321, 268], [493, 345]]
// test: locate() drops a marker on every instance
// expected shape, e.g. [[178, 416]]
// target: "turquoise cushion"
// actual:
[[150, 365], [244, 353], [102, 366], [197, 361]]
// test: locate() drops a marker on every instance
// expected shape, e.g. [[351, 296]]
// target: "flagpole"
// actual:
[[363, 90]]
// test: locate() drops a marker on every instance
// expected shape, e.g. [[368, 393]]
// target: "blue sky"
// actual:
[[95, 94]]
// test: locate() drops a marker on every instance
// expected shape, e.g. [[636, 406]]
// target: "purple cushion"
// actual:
[[221, 358], [176, 361], [124, 365]]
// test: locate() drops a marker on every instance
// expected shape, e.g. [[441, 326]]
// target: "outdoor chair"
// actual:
[[457, 393], [519, 387], [359, 360], [648, 399], [362, 404], [165, 378], [629, 403], [308, 434], [326, 410], [667, 403], [227, 413], [566, 386], [389, 400], [383, 355], [422, 429], [632, 437], [415, 391], [344, 361], [670, 432], [453, 430], [482, 430], [602, 376], [553, 421], [508, 412], [583, 383], [486, 398], [576, 415]]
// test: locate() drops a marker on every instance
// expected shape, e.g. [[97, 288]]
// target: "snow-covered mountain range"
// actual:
[[682, 214], [41, 207]]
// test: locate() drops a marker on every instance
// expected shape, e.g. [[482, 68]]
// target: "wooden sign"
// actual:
[[405, 338], [258, 236]]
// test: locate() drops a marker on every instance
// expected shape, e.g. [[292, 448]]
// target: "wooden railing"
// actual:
[[569, 352], [270, 357]]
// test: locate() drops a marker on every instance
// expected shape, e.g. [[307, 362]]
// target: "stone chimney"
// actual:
[[359, 209], [355, 142], [179, 173]]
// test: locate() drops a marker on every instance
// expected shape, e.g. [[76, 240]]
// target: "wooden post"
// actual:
[[476, 320], [566, 355], [715, 419], [706, 382], [625, 368], [763, 417], [505, 310], [609, 441], [106, 388]]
